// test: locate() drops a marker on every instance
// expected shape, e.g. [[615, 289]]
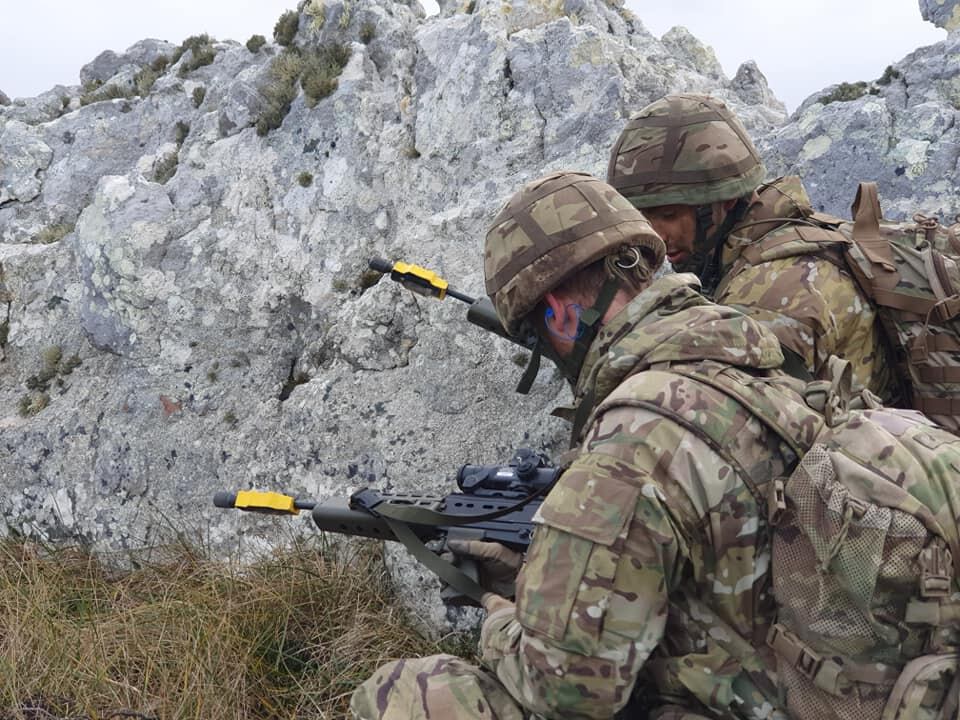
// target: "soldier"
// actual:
[[688, 163], [651, 555]]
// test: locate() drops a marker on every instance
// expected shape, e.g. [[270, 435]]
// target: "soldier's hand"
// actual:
[[493, 602], [498, 564]]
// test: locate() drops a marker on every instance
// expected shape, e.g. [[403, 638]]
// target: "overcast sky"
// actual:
[[800, 46]]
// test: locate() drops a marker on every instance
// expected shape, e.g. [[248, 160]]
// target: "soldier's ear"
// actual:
[[553, 316]]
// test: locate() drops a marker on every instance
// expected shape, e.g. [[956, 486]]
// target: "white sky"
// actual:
[[800, 46]]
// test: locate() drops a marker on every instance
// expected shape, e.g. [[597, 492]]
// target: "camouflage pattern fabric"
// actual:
[[439, 687], [865, 550], [651, 554], [684, 150], [790, 277]]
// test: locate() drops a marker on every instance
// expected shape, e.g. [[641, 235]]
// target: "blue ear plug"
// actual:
[[548, 316]]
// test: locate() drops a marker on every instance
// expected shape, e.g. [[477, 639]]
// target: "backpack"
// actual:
[[866, 566], [910, 272], [865, 550]]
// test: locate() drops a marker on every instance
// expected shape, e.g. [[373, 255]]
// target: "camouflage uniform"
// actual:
[[651, 553], [807, 298], [691, 150]]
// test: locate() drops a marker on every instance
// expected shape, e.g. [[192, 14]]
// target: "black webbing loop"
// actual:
[[533, 367]]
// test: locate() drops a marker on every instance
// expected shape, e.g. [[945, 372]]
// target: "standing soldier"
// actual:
[[688, 163], [652, 552]]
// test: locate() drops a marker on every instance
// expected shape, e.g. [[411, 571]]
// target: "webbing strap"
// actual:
[[941, 343], [937, 405], [951, 706], [898, 301], [932, 374], [530, 373], [866, 226], [931, 612], [451, 575], [825, 672]]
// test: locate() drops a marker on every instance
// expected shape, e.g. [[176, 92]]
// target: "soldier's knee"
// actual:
[[439, 686]]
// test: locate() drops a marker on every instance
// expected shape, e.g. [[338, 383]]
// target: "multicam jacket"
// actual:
[[651, 554], [803, 295]]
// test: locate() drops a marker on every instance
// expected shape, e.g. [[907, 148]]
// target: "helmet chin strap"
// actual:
[[712, 246]]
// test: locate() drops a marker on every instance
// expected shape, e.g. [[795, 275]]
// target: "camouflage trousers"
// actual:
[[445, 687], [435, 687]]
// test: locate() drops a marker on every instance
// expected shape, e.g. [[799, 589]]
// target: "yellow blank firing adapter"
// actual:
[[418, 279], [258, 500]]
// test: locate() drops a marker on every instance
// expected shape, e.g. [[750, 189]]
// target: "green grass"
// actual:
[[166, 168], [368, 32], [110, 92], [201, 50], [286, 28], [183, 636], [280, 90], [53, 233]]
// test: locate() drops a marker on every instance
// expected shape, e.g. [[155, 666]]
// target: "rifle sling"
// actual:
[[444, 570]]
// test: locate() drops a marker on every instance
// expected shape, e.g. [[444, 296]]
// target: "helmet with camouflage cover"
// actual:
[[550, 229], [684, 150]]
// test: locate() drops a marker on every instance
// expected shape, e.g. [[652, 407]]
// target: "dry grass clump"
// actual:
[[321, 70], [182, 636], [201, 50], [286, 28], [97, 93], [316, 70]]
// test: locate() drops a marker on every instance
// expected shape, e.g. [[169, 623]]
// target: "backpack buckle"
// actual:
[[776, 501], [919, 352], [808, 663], [936, 572], [792, 649]]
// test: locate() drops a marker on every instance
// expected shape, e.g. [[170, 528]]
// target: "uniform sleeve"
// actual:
[[592, 596]]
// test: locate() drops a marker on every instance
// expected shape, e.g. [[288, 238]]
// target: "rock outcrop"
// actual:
[[184, 297], [942, 13], [899, 129]]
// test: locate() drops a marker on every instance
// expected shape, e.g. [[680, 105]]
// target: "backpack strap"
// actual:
[[792, 421], [866, 226]]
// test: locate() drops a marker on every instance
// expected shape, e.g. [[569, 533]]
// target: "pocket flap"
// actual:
[[594, 499]]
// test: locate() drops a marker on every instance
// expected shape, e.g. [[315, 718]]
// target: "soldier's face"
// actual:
[[677, 226]]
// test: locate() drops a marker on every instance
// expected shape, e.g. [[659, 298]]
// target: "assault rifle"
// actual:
[[426, 282], [494, 502], [481, 311]]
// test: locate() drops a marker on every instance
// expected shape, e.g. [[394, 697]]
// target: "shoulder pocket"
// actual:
[[593, 499]]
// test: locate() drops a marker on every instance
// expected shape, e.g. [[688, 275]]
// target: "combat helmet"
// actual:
[[684, 150], [688, 150], [549, 230]]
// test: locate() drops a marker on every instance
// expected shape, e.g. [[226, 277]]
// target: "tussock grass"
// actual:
[[110, 92], [317, 70], [286, 28], [181, 636]]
